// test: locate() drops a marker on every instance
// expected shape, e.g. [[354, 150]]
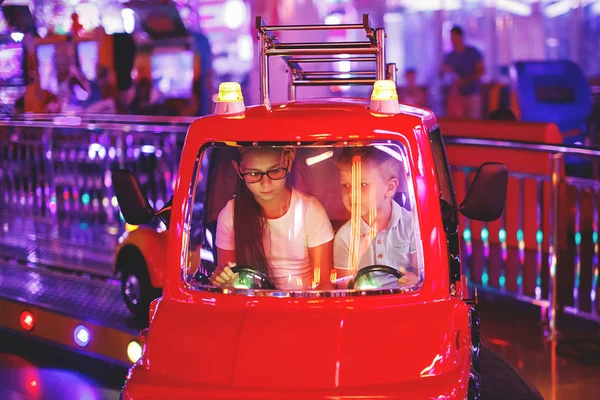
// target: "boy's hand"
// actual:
[[408, 278]]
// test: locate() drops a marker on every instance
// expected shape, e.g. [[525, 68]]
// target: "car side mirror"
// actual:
[[133, 202], [486, 196]]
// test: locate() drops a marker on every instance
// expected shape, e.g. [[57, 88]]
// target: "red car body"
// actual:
[[222, 346]]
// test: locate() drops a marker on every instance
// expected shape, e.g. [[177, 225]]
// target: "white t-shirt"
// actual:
[[391, 246], [286, 240]]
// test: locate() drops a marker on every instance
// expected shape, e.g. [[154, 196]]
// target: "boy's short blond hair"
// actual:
[[389, 166]]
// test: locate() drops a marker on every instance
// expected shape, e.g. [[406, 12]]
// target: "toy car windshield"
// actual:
[[300, 220]]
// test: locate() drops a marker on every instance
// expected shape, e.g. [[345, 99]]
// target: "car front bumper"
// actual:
[[143, 385]]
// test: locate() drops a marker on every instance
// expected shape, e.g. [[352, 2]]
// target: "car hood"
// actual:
[[307, 348]]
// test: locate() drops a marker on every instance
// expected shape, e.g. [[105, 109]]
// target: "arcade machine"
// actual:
[[225, 44], [558, 92], [56, 55], [87, 58], [166, 56], [12, 73], [13, 55], [47, 73]]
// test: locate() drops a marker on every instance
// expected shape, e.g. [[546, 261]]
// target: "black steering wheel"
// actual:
[[252, 278], [374, 268]]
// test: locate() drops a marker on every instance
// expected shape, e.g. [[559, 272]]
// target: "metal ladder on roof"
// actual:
[[294, 54]]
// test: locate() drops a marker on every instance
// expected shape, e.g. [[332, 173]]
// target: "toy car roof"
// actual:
[[330, 119]]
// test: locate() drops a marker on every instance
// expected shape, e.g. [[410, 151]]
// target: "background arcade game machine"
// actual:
[[18, 22], [13, 74], [56, 56], [166, 64], [558, 92], [221, 31]]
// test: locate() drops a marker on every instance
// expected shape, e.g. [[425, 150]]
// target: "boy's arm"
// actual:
[[321, 258], [410, 271], [342, 271]]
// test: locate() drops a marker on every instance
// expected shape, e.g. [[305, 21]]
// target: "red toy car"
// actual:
[[313, 248]]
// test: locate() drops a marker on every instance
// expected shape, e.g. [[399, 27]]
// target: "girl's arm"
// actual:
[[225, 256], [223, 273], [321, 259]]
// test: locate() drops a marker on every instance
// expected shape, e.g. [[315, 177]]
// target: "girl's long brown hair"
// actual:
[[249, 225]]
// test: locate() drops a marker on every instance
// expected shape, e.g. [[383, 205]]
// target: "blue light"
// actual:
[[520, 235], [81, 336], [502, 281], [85, 199], [467, 234], [502, 235], [595, 237], [485, 235], [485, 278], [578, 238], [539, 237]]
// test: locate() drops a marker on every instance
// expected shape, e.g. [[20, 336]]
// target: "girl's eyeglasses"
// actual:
[[255, 177]]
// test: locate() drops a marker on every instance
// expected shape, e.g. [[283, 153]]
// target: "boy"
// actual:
[[380, 231]]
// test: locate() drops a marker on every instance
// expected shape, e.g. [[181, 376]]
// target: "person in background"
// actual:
[[39, 100], [465, 62], [203, 87], [411, 93], [104, 96], [142, 99], [193, 108], [19, 107], [502, 114], [77, 96]]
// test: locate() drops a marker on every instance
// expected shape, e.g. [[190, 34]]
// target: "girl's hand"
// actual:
[[222, 275]]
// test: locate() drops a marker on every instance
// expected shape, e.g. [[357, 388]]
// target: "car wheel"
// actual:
[[136, 288]]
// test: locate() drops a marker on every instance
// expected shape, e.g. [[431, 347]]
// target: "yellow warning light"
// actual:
[[230, 92], [384, 99], [384, 90], [130, 228], [230, 102]]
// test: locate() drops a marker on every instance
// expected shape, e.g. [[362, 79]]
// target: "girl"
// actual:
[[272, 227]]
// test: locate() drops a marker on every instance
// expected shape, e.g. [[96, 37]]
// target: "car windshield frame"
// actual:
[[190, 279]]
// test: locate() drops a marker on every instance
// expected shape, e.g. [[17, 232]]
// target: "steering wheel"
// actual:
[[249, 278], [374, 268]]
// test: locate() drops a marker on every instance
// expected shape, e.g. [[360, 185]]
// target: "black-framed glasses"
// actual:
[[256, 176]]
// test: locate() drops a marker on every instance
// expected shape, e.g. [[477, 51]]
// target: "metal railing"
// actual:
[[56, 195], [558, 249], [57, 202], [294, 54]]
